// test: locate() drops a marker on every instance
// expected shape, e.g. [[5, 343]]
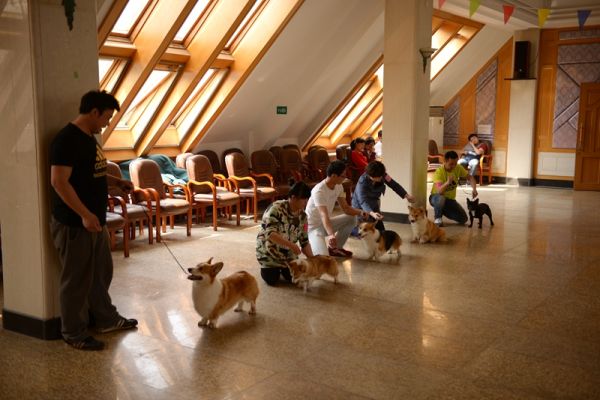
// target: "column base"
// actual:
[[42, 329]]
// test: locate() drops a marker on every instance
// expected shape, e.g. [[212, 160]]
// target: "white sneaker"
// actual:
[[438, 222]]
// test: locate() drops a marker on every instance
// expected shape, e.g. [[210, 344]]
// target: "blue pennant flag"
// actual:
[[583, 15]]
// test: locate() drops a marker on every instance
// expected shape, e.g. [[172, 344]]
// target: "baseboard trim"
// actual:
[[42, 329], [396, 217], [533, 182], [553, 183]]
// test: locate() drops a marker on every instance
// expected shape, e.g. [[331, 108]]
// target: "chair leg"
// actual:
[[188, 222], [237, 208], [214, 215], [126, 239], [150, 230], [255, 204]]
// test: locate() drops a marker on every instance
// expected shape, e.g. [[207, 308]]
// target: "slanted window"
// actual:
[[244, 25], [191, 22], [130, 17], [146, 102], [110, 72], [203, 93]]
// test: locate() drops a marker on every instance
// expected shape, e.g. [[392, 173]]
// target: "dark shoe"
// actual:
[[285, 274], [89, 344], [337, 252], [122, 324]]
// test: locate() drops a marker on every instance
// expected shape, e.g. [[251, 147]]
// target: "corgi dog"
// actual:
[[378, 242], [212, 297], [424, 230], [304, 271]]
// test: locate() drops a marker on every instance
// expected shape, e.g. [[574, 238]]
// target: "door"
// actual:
[[587, 155]]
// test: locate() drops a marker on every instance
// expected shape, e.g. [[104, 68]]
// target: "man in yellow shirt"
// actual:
[[443, 192]]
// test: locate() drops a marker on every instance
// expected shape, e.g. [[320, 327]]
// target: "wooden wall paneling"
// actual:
[[505, 70]]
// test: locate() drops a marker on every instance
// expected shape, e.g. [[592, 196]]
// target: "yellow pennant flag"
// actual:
[[473, 6], [543, 16]]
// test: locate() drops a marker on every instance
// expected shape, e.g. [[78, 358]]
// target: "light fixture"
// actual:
[[426, 53]]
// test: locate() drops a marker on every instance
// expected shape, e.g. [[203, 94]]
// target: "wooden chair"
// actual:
[[485, 162], [116, 221], [293, 167], [138, 204], [214, 161], [208, 189], [263, 162], [229, 151], [318, 161], [245, 182], [276, 151], [180, 159], [434, 159], [146, 175]]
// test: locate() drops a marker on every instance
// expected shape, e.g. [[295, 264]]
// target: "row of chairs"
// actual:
[[155, 200]]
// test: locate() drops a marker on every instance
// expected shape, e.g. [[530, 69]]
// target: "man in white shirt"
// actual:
[[379, 146], [327, 234]]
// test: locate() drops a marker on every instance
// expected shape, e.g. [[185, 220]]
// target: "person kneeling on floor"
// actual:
[[281, 230], [328, 234]]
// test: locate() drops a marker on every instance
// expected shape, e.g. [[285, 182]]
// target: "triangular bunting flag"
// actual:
[[508, 11], [542, 16], [583, 15], [441, 3], [473, 6]]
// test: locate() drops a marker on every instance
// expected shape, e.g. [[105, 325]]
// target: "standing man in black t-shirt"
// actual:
[[79, 200]]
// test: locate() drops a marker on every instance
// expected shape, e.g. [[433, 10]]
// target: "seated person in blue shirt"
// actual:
[[369, 189]]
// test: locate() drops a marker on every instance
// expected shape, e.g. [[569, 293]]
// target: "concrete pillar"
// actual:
[[45, 70], [406, 100]]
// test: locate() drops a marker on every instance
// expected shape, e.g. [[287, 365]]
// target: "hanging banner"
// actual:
[[441, 3], [542, 16], [582, 16], [508, 11], [473, 6]]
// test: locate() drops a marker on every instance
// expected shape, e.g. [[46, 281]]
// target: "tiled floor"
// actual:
[[509, 312]]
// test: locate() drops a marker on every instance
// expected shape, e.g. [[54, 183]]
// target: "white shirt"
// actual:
[[378, 149], [321, 195]]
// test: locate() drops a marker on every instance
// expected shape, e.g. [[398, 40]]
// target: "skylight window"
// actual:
[[152, 85], [104, 65], [129, 17], [244, 24], [191, 20]]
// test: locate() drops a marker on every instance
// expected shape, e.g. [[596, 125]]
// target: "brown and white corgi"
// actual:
[[424, 230], [379, 243], [212, 297], [304, 271]]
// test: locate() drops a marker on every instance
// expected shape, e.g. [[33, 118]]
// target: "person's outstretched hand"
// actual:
[[410, 198]]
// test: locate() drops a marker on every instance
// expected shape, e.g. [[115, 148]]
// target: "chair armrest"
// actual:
[[265, 175], [117, 199], [235, 179], [177, 185], [487, 158], [436, 158], [192, 183], [153, 194]]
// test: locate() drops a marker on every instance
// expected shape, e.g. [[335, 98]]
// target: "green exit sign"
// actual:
[[281, 109]]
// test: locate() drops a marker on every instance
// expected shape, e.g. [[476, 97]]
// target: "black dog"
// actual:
[[477, 210]]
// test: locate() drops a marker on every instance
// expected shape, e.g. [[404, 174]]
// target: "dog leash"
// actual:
[[174, 258]]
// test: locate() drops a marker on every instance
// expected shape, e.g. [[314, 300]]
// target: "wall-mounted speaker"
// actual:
[[521, 65]]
